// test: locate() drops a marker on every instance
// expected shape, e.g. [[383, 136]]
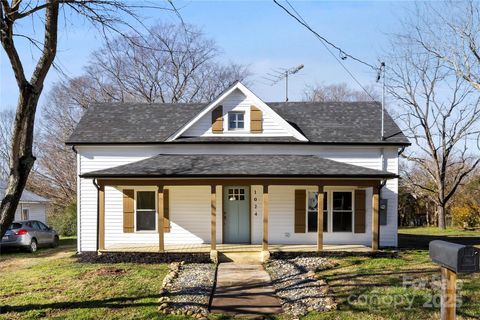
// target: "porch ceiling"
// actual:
[[205, 166]]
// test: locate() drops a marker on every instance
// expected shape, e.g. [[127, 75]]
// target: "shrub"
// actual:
[[64, 220], [466, 216]]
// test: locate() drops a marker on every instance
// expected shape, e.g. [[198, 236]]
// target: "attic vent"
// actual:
[[255, 120]]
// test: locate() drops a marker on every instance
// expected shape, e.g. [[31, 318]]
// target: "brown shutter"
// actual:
[[255, 120], [359, 211], [166, 211], [300, 211], [217, 120], [128, 210]]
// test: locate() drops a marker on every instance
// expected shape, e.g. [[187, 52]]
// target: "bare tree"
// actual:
[[172, 63], [339, 92], [6, 119], [441, 113], [107, 14], [450, 31]]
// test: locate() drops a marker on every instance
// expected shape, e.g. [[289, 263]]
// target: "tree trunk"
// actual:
[[441, 216], [21, 159]]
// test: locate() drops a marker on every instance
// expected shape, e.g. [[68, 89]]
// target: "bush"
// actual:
[[64, 220], [466, 216]]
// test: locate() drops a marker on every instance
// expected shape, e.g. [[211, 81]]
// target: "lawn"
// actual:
[[52, 284]]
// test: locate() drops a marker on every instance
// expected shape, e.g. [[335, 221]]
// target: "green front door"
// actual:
[[236, 218]]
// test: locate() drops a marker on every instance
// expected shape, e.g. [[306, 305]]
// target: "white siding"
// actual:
[[237, 101], [36, 211], [194, 203]]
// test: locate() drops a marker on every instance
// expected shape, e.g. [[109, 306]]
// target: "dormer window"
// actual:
[[236, 120]]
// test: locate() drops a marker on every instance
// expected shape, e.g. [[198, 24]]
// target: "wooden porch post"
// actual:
[[320, 219], [161, 218], [265, 218], [213, 221], [375, 218], [101, 218]]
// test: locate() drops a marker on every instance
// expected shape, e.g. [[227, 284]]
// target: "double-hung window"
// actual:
[[145, 211], [236, 120], [342, 211], [313, 212]]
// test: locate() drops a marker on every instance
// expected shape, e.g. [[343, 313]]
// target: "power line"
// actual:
[[324, 41]]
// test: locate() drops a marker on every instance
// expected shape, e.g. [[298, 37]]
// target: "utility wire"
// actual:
[[324, 42]]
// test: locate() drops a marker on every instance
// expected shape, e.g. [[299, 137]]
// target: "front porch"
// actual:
[[205, 248]]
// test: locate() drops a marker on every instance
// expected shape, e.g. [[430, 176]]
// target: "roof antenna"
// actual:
[[282, 74], [381, 75]]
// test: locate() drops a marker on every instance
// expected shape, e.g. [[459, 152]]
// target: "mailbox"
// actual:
[[455, 257]]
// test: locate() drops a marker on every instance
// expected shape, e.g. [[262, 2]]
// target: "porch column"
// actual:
[[265, 218], [101, 218], [213, 217], [320, 219], [161, 218], [375, 218]]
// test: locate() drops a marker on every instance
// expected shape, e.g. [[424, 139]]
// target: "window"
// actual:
[[236, 120], [342, 211], [25, 214], [146, 211], [236, 194], [313, 213], [42, 226], [35, 225]]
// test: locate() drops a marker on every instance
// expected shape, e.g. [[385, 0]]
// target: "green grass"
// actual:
[[435, 231], [373, 288], [52, 284]]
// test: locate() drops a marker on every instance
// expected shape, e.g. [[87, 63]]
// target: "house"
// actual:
[[30, 207], [234, 171]]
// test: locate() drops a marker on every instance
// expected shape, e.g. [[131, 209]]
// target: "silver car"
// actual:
[[29, 235]]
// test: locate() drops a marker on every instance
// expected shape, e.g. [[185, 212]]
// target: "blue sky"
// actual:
[[255, 33]]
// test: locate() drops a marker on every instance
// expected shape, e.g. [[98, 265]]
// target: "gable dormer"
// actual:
[[238, 113]]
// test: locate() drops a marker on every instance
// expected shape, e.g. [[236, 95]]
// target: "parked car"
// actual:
[[29, 235]]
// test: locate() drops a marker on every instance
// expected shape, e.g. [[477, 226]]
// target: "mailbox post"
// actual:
[[453, 258]]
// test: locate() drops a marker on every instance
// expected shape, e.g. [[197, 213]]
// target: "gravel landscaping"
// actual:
[[297, 285], [187, 289]]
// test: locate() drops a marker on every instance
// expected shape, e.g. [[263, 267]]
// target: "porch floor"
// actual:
[[185, 248]]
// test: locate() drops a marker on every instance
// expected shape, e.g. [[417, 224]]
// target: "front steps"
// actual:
[[248, 257]]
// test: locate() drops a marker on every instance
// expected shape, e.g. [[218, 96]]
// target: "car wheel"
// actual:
[[55, 242], [33, 246]]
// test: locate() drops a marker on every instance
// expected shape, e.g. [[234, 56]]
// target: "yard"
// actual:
[[52, 284]]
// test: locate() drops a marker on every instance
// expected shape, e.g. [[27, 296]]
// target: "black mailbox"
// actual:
[[456, 257]]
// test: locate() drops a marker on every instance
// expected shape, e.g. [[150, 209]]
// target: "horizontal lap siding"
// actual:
[[96, 158], [237, 101], [36, 211], [189, 218]]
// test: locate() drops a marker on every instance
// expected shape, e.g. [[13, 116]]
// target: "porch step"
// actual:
[[247, 257]]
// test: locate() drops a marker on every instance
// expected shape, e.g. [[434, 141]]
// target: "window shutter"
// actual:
[[128, 210], [255, 120], [300, 211], [217, 120], [359, 211], [166, 211]]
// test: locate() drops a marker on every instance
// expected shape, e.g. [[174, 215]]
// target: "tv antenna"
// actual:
[[280, 74]]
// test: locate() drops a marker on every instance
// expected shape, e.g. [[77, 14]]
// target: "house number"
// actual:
[[255, 203]]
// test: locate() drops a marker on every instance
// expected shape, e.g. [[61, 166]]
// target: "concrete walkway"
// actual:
[[244, 289]]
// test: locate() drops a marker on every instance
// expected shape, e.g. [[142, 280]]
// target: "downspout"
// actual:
[[401, 151], [98, 210]]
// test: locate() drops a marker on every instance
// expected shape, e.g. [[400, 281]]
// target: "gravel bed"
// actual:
[[189, 292], [297, 285], [142, 257]]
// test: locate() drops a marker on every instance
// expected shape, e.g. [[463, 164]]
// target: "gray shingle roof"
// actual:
[[238, 166], [348, 123], [27, 196]]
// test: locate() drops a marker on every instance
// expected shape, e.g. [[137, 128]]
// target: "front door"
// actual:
[[236, 218]]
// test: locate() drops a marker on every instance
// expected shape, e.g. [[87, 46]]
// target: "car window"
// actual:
[[15, 225], [29, 224], [35, 225], [42, 226]]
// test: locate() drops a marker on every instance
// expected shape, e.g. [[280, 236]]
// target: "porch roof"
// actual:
[[214, 165]]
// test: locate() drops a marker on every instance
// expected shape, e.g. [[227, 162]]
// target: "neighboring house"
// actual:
[[236, 171], [30, 207]]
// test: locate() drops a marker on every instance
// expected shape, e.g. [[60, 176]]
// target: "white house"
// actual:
[[31, 205], [234, 171]]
